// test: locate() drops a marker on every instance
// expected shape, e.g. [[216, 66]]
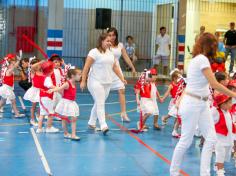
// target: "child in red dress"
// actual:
[[173, 90], [9, 64], [32, 94], [148, 92], [67, 106]]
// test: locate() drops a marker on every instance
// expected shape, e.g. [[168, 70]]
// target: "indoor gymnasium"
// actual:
[[117, 88]]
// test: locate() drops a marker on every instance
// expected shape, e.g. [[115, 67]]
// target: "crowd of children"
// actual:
[[54, 89]]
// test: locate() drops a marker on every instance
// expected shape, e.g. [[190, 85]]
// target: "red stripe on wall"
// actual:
[[181, 48], [54, 43]]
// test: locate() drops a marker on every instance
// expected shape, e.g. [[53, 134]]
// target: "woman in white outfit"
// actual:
[[99, 67], [118, 51], [194, 107]]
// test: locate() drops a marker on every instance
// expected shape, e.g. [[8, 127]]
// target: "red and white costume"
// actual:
[[67, 106], [57, 77], [148, 94], [175, 93], [225, 130], [32, 94], [46, 99], [172, 108], [6, 90]]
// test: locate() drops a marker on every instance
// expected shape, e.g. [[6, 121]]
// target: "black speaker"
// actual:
[[103, 18]]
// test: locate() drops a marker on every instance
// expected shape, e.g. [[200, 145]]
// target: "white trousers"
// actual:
[[100, 93], [194, 112]]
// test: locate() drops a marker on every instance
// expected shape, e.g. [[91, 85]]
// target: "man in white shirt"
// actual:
[[163, 44]]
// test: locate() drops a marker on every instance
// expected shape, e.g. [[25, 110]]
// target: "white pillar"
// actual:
[[55, 27]]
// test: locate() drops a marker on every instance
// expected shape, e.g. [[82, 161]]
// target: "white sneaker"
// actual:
[[40, 130], [220, 172], [19, 115], [32, 122], [12, 111], [52, 130]]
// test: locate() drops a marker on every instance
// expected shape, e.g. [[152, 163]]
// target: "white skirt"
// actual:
[[117, 84], [32, 94], [67, 107], [48, 104], [6, 92], [149, 106]]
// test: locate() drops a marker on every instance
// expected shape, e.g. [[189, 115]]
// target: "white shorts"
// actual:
[[223, 153], [48, 104], [56, 98], [149, 106], [173, 111], [161, 59]]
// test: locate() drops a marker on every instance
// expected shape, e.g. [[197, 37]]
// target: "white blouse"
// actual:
[[117, 51], [102, 68]]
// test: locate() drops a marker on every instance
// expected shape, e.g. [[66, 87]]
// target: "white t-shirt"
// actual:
[[163, 43], [221, 139], [197, 83], [102, 68], [48, 82], [117, 51]]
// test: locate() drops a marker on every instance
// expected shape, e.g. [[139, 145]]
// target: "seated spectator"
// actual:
[[130, 49]]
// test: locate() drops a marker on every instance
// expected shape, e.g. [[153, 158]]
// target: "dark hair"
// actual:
[[129, 37], [34, 61], [161, 28], [25, 60], [204, 45], [72, 72], [220, 76], [101, 38], [55, 57], [113, 29], [232, 24]]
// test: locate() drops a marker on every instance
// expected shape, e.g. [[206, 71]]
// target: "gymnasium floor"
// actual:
[[120, 153]]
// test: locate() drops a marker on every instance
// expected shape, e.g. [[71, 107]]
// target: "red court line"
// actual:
[[144, 144]]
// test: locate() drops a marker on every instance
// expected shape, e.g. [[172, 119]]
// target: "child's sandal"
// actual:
[[76, 138], [67, 136]]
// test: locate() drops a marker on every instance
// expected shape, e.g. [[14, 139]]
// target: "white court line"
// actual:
[[23, 132], [41, 154], [78, 131], [22, 103], [91, 104], [4, 132]]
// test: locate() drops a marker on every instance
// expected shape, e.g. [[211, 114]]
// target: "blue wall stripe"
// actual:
[[181, 38], [50, 52], [52, 33]]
